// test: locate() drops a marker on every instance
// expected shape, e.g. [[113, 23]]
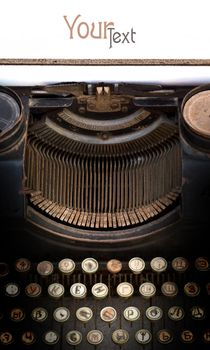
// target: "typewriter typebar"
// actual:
[[104, 207]]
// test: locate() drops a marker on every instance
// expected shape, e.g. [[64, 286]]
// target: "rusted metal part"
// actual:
[[89, 98], [104, 101], [103, 220], [107, 125], [196, 113], [103, 186], [106, 62]]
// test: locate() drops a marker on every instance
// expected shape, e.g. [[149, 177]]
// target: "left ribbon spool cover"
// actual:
[[11, 118]]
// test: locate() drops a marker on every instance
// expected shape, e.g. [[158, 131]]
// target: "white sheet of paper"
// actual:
[[143, 29], [164, 29]]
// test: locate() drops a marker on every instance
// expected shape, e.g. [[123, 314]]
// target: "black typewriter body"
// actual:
[[104, 206]]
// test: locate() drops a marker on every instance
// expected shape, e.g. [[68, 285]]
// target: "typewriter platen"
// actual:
[[105, 199]]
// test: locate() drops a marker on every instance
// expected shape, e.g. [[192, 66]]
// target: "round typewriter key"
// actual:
[[187, 336], [169, 289], [114, 266], [100, 290], [6, 338], [108, 314], [208, 288], [180, 264], [51, 337], [56, 290], [61, 314], [154, 313], [17, 314], [78, 290], [206, 336], [22, 265], [143, 336], [84, 314], [12, 289], [191, 289], [164, 336], [125, 290], [95, 337], [131, 313], [147, 289], [176, 313], [158, 264], [45, 268], [90, 265], [202, 264], [74, 337], [28, 338], [33, 290], [197, 313], [136, 265], [120, 336], [66, 266], [4, 269], [39, 314]]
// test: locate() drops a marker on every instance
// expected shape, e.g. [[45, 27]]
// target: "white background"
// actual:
[[170, 29]]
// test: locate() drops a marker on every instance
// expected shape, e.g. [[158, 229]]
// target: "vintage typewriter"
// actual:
[[104, 205]]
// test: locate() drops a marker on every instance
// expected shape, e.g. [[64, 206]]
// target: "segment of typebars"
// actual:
[[103, 186]]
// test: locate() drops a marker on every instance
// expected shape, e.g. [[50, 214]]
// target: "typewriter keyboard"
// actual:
[[133, 304]]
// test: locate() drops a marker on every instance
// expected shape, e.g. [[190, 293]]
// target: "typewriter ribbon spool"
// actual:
[[11, 119], [196, 117]]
